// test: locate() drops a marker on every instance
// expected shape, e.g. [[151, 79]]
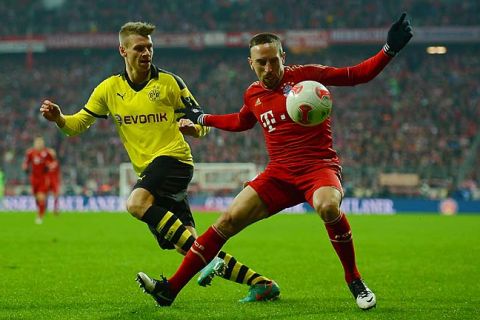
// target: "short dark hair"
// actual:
[[265, 37], [141, 28]]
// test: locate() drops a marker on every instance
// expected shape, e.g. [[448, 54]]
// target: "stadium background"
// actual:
[[411, 133]]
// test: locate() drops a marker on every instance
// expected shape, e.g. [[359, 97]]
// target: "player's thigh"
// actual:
[[275, 188], [39, 189], [313, 185], [55, 187], [325, 193]]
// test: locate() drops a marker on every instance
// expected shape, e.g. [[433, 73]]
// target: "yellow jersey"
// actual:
[[144, 116]]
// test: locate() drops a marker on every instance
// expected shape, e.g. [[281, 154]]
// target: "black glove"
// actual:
[[191, 111], [398, 36]]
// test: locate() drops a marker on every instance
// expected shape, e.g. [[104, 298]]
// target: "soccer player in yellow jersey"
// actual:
[[142, 103]]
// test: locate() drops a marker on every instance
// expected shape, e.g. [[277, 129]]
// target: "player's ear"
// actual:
[[250, 62], [122, 51], [283, 57]]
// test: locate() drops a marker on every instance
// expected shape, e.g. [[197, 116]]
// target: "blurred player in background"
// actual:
[[53, 177], [303, 164], [36, 164], [142, 101]]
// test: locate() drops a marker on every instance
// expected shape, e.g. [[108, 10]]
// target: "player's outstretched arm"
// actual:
[[398, 35], [52, 112], [71, 125]]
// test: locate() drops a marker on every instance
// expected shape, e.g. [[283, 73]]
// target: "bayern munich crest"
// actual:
[[287, 88]]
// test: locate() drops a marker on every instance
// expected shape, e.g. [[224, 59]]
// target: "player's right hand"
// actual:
[[50, 111]]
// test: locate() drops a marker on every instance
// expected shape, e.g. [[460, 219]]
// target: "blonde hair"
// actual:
[[141, 28]]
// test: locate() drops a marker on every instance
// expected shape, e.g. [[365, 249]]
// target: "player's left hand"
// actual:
[[192, 111], [398, 36], [187, 127]]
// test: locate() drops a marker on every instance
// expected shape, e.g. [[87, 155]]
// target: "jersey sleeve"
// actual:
[[97, 103], [347, 76], [185, 99], [77, 123], [202, 131], [236, 122], [96, 107]]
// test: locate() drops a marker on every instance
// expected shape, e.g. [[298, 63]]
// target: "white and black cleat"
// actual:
[[363, 295], [158, 289]]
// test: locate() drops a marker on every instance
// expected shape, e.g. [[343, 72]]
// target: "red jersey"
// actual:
[[287, 142], [37, 162]]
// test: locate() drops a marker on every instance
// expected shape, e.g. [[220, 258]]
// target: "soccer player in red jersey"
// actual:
[[37, 160], [303, 164], [53, 178]]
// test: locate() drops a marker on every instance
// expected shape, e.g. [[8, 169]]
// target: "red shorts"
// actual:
[[39, 185], [53, 184], [280, 187]]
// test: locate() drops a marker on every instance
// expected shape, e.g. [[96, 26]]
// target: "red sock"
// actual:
[[340, 236], [203, 250], [41, 208]]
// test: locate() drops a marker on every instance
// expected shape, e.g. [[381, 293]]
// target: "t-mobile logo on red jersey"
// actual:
[[268, 120]]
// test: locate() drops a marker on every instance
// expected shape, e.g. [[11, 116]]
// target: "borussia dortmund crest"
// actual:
[[154, 94]]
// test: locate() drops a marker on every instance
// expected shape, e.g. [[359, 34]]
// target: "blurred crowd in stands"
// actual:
[[42, 17], [419, 116]]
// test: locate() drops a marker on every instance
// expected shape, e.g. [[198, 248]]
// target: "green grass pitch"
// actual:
[[82, 266]]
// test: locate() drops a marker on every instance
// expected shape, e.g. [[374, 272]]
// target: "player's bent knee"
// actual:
[[138, 202], [135, 208], [328, 211]]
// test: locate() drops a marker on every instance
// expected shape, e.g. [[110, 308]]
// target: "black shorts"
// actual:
[[167, 180]]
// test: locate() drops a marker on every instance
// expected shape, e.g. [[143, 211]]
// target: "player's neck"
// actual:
[[138, 77]]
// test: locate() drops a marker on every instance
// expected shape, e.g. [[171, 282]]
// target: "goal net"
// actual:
[[208, 177]]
